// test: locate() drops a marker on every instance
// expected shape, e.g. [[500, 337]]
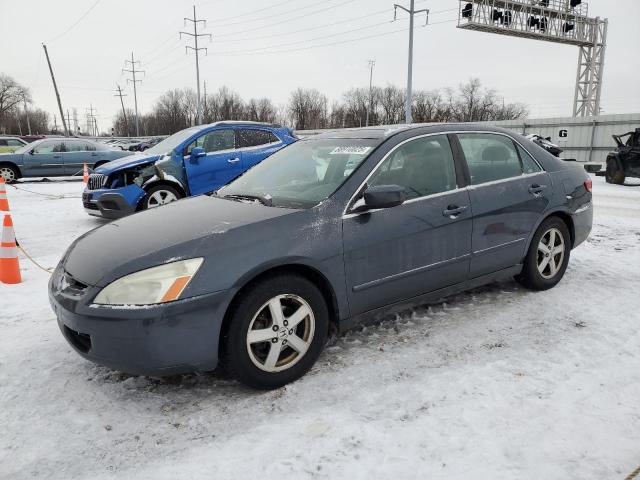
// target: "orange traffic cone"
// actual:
[[85, 174], [9, 265], [4, 201]]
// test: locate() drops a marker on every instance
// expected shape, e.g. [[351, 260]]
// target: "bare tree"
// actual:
[[261, 110], [12, 95], [308, 109], [392, 105]]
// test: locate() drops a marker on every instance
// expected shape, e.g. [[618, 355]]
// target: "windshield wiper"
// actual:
[[263, 199]]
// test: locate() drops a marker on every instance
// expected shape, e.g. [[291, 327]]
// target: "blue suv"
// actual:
[[193, 161]]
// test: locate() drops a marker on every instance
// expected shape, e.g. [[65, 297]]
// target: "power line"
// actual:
[[269, 25], [331, 35], [76, 22], [342, 42], [253, 12], [319, 27], [265, 17]]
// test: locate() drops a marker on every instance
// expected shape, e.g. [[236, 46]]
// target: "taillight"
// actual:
[[588, 184]]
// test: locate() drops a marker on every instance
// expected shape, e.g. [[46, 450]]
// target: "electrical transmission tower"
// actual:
[[196, 50], [124, 113], [411, 11], [135, 81], [557, 21]]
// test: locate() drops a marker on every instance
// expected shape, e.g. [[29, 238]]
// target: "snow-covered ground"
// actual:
[[497, 383]]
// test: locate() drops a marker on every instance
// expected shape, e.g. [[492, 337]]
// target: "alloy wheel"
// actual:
[[550, 253], [280, 333], [160, 197], [8, 174]]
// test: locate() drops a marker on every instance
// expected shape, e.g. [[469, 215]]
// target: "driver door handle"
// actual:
[[233, 160], [452, 211]]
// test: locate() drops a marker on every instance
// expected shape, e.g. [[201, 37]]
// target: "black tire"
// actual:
[[613, 174], [148, 200], [234, 351], [10, 173], [531, 277]]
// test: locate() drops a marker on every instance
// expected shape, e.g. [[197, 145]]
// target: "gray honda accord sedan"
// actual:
[[335, 230]]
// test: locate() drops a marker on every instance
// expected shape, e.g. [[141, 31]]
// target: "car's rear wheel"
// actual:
[[160, 195], [9, 173], [275, 332], [613, 174], [548, 255]]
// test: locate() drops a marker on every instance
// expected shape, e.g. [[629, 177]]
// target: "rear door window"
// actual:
[[490, 157], [252, 137], [214, 141]]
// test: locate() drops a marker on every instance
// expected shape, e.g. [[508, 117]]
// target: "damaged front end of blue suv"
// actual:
[[193, 161]]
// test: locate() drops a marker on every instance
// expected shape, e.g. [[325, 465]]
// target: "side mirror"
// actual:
[[197, 152], [32, 151], [380, 196]]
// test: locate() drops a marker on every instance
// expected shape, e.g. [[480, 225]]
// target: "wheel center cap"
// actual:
[[283, 333]]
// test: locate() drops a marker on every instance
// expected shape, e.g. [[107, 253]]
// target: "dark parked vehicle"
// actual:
[[336, 229], [625, 160], [146, 144], [54, 157]]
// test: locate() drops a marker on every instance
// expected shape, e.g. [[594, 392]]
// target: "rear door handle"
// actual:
[[452, 211], [233, 160], [536, 189]]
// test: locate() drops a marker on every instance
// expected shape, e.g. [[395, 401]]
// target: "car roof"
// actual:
[[248, 123], [382, 132]]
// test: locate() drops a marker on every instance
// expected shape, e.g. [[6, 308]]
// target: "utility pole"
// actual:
[[133, 72], [204, 97], [90, 120], [26, 113], [371, 64], [196, 50], [411, 11], [69, 120], [124, 113], [55, 87]]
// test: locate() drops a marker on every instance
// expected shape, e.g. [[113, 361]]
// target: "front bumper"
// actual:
[[159, 340], [112, 203]]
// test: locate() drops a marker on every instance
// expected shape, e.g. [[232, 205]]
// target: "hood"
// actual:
[[128, 161], [185, 229]]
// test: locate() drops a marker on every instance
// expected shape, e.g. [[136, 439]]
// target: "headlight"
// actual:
[[154, 285]]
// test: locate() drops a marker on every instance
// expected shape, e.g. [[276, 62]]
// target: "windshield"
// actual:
[[302, 174], [169, 143]]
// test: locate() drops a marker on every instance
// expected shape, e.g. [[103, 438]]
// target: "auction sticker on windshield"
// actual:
[[352, 150]]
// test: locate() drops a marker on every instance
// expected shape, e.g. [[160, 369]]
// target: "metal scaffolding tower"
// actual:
[[558, 21]]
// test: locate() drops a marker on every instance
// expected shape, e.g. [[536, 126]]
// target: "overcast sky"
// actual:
[[270, 47]]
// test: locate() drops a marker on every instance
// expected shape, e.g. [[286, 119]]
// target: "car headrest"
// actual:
[[495, 153]]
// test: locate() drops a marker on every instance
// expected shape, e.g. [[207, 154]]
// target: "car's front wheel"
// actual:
[[276, 332], [9, 173], [160, 195], [548, 255]]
